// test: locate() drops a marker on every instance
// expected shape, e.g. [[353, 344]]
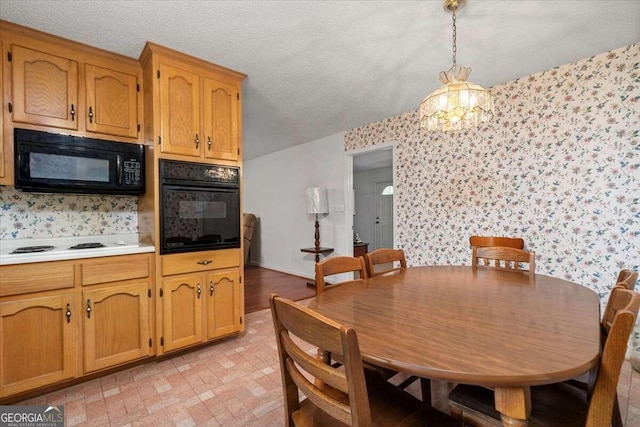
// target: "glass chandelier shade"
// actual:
[[459, 104]]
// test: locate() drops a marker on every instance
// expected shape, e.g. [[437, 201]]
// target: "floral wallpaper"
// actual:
[[558, 166], [31, 215]]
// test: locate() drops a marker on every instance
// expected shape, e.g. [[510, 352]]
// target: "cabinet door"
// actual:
[[112, 105], [180, 111], [2, 158], [36, 342], [116, 326], [45, 88], [181, 311], [223, 303], [220, 120]]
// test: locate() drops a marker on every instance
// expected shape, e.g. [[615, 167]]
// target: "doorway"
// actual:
[[366, 170]]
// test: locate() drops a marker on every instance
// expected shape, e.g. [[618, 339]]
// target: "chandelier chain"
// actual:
[[454, 37]]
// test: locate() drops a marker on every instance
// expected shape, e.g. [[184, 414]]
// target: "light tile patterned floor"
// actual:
[[233, 383]]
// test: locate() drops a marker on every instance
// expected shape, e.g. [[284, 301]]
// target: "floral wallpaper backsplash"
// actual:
[[558, 166], [31, 215]]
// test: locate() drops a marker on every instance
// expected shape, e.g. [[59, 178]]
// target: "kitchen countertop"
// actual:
[[120, 244]]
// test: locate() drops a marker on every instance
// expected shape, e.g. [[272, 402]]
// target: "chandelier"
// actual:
[[458, 104]]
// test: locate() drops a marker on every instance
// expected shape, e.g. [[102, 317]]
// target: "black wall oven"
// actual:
[[199, 207]]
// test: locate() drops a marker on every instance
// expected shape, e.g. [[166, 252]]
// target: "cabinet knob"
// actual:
[[68, 313], [72, 112], [90, 115], [205, 262], [199, 290], [210, 288], [88, 309], [209, 143], [197, 141]]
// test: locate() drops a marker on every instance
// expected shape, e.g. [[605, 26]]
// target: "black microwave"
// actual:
[[53, 163]]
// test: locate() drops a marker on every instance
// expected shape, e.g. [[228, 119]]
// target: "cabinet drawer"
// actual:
[[200, 261], [36, 277], [113, 269]]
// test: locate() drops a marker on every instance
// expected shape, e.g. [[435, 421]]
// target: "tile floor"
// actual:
[[233, 383]]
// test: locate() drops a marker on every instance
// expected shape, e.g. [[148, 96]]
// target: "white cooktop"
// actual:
[[119, 244]]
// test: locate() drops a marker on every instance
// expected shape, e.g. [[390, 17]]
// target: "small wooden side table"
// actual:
[[317, 251], [359, 249]]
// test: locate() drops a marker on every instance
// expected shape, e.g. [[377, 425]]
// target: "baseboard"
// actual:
[[281, 270]]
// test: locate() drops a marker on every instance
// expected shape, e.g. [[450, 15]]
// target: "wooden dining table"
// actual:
[[500, 329]]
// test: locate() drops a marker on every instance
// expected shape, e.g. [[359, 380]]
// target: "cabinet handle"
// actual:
[[210, 288], [88, 309], [205, 262], [209, 143], [199, 290], [90, 115], [197, 141], [68, 313], [72, 112]]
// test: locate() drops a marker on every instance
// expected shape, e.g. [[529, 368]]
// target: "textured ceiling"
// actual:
[[316, 68]]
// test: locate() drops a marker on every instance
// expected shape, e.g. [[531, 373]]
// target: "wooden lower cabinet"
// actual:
[[116, 325], [62, 319], [37, 342], [200, 307], [181, 311], [222, 303]]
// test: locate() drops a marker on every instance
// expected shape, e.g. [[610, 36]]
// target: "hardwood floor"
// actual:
[[260, 282]]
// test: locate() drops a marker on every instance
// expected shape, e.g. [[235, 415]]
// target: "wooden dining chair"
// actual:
[[387, 258], [615, 303], [508, 242], [503, 258], [627, 278], [562, 404], [347, 396], [339, 265]]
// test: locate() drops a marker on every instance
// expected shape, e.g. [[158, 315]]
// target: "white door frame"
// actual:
[[349, 197]]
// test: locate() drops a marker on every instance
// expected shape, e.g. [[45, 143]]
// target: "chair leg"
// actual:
[[616, 416], [406, 383], [425, 388]]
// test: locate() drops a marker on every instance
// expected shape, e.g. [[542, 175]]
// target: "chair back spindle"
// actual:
[[503, 258]]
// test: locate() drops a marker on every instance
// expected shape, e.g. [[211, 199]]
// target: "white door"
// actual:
[[384, 215]]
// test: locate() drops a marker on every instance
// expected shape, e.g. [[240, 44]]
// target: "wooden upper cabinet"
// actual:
[[45, 88], [180, 111], [220, 120], [193, 108], [112, 101]]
